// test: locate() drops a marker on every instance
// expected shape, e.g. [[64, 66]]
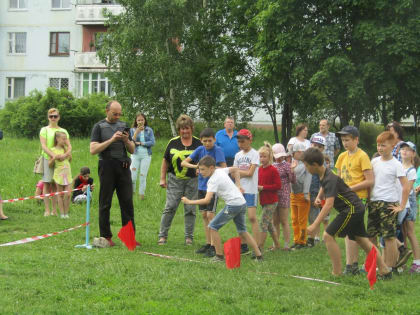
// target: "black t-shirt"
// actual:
[[345, 200], [103, 131], [176, 152]]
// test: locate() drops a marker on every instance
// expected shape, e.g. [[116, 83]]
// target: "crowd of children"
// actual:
[[303, 181]]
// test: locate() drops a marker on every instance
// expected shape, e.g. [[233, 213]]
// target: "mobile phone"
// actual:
[[127, 130]]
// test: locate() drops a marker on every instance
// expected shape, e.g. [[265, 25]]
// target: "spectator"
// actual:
[[144, 139], [179, 181], [111, 140], [332, 146], [227, 140], [46, 137], [301, 135]]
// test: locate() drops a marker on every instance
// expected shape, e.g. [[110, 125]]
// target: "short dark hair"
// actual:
[[135, 120], [84, 170], [397, 128], [207, 161], [207, 133], [299, 128], [313, 156]]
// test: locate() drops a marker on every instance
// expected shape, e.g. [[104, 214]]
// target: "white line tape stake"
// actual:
[[303, 278], [41, 237]]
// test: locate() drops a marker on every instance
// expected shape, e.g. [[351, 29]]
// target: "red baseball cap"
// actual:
[[245, 133]]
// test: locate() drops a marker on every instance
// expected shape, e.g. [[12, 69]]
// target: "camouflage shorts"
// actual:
[[266, 224], [381, 220]]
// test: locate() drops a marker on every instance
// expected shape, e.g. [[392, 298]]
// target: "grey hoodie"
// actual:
[[303, 179]]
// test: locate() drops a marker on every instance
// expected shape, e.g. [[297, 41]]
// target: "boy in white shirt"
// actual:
[[235, 206], [384, 204]]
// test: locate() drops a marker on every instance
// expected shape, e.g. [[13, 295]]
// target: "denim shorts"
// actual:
[[251, 200], [412, 208], [237, 213]]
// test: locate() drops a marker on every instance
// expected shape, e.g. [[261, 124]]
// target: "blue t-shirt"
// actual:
[[215, 152], [229, 145]]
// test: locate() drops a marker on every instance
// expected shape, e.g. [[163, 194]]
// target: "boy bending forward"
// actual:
[[349, 221], [235, 209]]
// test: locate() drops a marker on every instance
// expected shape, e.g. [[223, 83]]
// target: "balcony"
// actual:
[[87, 60], [92, 14]]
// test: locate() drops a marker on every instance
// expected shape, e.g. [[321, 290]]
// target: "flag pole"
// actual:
[[88, 198]]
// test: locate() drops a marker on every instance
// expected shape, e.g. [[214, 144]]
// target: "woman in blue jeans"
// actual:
[[144, 139]]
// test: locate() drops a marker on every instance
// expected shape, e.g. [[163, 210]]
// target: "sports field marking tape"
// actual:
[[173, 257], [303, 278], [267, 273], [41, 237], [38, 196]]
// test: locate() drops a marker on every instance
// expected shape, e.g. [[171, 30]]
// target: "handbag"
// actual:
[[39, 163], [39, 166]]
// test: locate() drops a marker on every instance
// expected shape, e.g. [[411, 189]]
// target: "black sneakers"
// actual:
[[211, 252], [310, 242], [405, 254], [244, 249], [203, 249]]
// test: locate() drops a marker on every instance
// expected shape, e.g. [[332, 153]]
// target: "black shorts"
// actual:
[[346, 224], [212, 206]]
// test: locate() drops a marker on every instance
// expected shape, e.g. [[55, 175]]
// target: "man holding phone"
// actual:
[[111, 140]]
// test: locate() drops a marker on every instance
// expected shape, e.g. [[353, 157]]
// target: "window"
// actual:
[[17, 4], [98, 40], [59, 83], [89, 83], [59, 44], [15, 87], [60, 4], [17, 43]]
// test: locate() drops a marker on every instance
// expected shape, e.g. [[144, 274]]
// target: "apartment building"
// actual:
[[53, 43]]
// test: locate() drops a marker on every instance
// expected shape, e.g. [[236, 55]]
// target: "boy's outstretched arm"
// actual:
[[205, 201], [329, 203], [187, 163]]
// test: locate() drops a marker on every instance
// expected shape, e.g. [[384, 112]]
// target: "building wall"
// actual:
[[38, 20]]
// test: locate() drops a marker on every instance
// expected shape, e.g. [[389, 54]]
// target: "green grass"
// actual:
[[52, 276]]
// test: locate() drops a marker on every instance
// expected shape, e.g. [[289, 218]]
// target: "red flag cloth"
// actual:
[[370, 266], [127, 236], [232, 250]]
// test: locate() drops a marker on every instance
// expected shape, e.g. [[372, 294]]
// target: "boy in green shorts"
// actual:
[[355, 169], [350, 219]]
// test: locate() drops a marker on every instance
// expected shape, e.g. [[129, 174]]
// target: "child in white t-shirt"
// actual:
[[235, 206], [247, 161], [385, 200], [407, 217]]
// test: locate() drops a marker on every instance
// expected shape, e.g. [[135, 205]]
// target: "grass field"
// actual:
[[51, 276]]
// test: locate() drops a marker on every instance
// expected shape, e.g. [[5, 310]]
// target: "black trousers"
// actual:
[[113, 176]]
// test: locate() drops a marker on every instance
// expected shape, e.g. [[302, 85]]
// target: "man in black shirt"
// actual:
[[349, 220], [111, 140]]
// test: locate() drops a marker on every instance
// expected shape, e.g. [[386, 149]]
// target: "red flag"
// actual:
[[127, 236], [232, 250], [370, 267]]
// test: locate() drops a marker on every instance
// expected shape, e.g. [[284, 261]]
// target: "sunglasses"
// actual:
[[53, 116]]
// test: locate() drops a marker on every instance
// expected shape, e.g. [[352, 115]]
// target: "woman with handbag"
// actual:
[[46, 137]]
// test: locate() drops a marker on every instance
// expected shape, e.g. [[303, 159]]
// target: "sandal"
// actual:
[[162, 241]]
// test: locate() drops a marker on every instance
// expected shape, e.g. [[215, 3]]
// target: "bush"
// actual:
[[368, 133], [25, 116]]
